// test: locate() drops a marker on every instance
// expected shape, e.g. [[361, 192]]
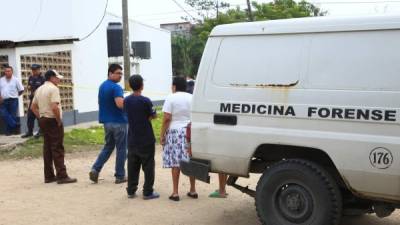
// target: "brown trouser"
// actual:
[[53, 148]]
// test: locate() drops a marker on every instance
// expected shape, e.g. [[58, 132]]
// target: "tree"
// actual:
[[283, 9], [187, 51], [205, 8], [186, 55], [181, 58]]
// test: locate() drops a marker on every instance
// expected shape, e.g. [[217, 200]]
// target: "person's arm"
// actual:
[[151, 110], [57, 114], [154, 116], [167, 110], [20, 87], [119, 96], [35, 109], [55, 102], [165, 126], [119, 102]]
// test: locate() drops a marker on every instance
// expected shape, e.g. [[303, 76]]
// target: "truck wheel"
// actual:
[[298, 192]]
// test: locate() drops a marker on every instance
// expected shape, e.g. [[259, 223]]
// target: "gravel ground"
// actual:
[[25, 199]]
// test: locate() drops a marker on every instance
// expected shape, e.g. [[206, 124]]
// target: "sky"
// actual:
[[166, 11]]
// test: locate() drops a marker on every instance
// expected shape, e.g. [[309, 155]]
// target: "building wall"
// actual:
[[90, 62], [156, 71], [178, 28], [36, 19], [89, 56]]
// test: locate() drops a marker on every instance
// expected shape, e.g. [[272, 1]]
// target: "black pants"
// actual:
[[31, 119], [141, 157]]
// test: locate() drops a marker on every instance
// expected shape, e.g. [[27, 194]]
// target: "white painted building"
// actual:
[[35, 30]]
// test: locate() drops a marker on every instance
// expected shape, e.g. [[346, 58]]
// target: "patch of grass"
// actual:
[[91, 136], [77, 140], [157, 124]]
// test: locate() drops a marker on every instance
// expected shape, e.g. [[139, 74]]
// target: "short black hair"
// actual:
[[113, 67], [8, 67], [49, 74], [136, 82], [179, 83]]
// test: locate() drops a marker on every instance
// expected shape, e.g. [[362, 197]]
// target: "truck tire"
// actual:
[[299, 192]]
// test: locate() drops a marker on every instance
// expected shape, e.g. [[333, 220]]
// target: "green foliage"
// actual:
[[187, 51], [206, 8], [157, 124], [283, 9], [181, 55]]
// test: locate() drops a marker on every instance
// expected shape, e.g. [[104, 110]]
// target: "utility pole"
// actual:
[[126, 44], [251, 18], [217, 9]]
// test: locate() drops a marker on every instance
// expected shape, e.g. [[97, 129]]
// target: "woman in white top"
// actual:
[[173, 134]]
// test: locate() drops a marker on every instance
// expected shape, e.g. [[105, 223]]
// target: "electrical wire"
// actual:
[[98, 25], [172, 13], [245, 5], [164, 13], [180, 6]]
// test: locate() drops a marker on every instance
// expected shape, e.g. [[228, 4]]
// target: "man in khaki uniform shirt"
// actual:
[[46, 105]]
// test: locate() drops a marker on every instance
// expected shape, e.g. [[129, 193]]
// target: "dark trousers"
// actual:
[[8, 111], [31, 119], [141, 157], [53, 148]]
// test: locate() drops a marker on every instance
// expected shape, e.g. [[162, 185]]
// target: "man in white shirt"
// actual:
[[10, 88]]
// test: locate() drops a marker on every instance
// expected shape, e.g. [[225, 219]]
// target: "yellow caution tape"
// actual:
[[151, 93]]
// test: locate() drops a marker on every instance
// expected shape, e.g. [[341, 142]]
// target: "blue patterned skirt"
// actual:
[[175, 148]]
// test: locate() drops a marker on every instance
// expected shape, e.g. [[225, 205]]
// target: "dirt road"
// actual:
[[25, 199]]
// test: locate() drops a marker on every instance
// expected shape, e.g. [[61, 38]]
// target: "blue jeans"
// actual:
[[8, 111], [115, 137]]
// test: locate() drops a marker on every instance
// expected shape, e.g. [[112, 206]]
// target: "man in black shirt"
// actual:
[[141, 140], [34, 82]]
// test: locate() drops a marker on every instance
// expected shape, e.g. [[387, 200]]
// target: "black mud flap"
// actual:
[[197, 168]]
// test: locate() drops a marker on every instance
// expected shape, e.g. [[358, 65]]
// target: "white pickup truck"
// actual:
[[314, 105]]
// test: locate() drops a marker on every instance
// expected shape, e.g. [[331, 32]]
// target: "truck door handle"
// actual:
[[225, 119]]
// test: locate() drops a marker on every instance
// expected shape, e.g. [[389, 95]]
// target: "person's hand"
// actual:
[[189, 151], [162, 140], [59, 123]]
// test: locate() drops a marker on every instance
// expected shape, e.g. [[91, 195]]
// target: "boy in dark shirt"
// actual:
[[141, 140]]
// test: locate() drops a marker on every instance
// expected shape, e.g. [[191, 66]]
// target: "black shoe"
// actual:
[[67, 180], [94, 176], [174, 198], [193, 195], [26, 135], [50, 180], [132, 195]]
